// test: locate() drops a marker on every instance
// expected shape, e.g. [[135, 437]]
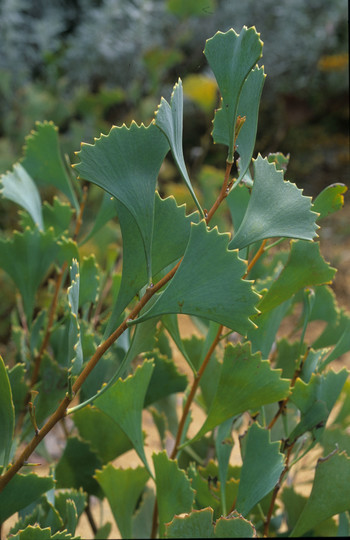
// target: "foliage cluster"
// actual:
[[94, 338]]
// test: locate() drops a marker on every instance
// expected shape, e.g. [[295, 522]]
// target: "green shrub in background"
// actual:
[[92, 340]]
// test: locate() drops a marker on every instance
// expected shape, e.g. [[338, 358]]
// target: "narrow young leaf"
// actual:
[[18, 186], [232, 56], [174, 492], [200, 292], [122, 487], [75, 351], [124, 403], [304, 268], [263, 464], [126, 163], [7, 416], [169, 119], [330, 493], [42, 160], [276, 208], [248, 107], [246, 383]]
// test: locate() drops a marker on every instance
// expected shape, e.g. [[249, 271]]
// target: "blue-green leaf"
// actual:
[[43, 162], [122, 488], [75, 351], [248, 107], [263, 464], [126, 163], [276, 208], [196, 289], [232, 56], [124, 403], [169, 119]]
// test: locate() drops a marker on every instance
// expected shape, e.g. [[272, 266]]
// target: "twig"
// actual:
[[275, 492]]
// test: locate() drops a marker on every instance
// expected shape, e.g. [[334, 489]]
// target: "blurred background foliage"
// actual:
[[88, 64]]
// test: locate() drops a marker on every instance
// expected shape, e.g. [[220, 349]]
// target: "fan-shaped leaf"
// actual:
[[304, 268], [246, 383], [330, 493], [248, 107], [122, 488], [124, 403], [231, 56], [126, 163], [276, 208], [26, 258], [23, 490], [330, 200], [262, 466], [196, 288], [174, 492], [166, 247], [42, 160]]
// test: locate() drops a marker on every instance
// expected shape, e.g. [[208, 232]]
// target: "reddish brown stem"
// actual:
[[223, 193], [62, 408], [282, 405], [256, 257], [193, 391]]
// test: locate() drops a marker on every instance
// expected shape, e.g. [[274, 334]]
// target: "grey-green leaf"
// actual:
[[196, 289], [263, 464], [276, 208], [232, 56], [169, 119], [126, 163]]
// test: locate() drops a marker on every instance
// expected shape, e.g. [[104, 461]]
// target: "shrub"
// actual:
[[92, 348]]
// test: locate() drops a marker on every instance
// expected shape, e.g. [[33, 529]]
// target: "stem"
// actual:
[[51, 318], [256, 257], [282, 405], [90, 518], [225, 189], [275, 493], [185, 412], [193, 390], [62, 408]]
